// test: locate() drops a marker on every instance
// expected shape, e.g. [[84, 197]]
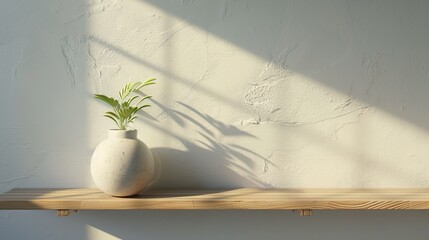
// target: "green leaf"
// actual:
[[112, 119], [143, 98], [112, 114], [144, 106], [111, 101], [123, 110], [134, 110], [128, 88], [131, 100], [125, 91], [124, 113], [125, 105], [150, 81], [133, 86]]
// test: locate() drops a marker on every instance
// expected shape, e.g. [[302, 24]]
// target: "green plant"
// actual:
[[123, 111]]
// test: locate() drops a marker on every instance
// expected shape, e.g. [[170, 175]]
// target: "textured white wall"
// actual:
[[250, 93]]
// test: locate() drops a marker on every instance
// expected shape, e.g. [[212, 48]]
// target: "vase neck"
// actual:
[[115, 133]]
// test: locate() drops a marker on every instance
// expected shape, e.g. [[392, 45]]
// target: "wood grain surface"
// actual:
[[243, 198]]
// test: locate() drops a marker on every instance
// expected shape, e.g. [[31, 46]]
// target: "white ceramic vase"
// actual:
[[122, 165]]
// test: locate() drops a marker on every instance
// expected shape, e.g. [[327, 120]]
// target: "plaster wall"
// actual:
[[272, 94]]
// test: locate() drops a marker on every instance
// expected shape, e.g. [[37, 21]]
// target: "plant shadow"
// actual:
[[208, 153]]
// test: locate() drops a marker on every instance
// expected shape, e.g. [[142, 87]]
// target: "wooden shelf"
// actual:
[[304, 200]]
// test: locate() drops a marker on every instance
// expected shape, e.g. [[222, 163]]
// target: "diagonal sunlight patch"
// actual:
[[317, 122], [95, 233], [372, 52]]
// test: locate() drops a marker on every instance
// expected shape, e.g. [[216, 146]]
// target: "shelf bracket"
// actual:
[[65, 212], [304, 212]]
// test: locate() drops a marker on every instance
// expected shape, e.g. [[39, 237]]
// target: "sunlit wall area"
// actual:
[[272, 94], [278, 94]]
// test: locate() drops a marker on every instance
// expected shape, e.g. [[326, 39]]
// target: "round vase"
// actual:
[[122, 165]]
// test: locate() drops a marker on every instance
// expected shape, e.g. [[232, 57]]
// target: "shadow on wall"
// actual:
[[372, 53], [43, 125], [209, 160], [244, 224], [351, 52]]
